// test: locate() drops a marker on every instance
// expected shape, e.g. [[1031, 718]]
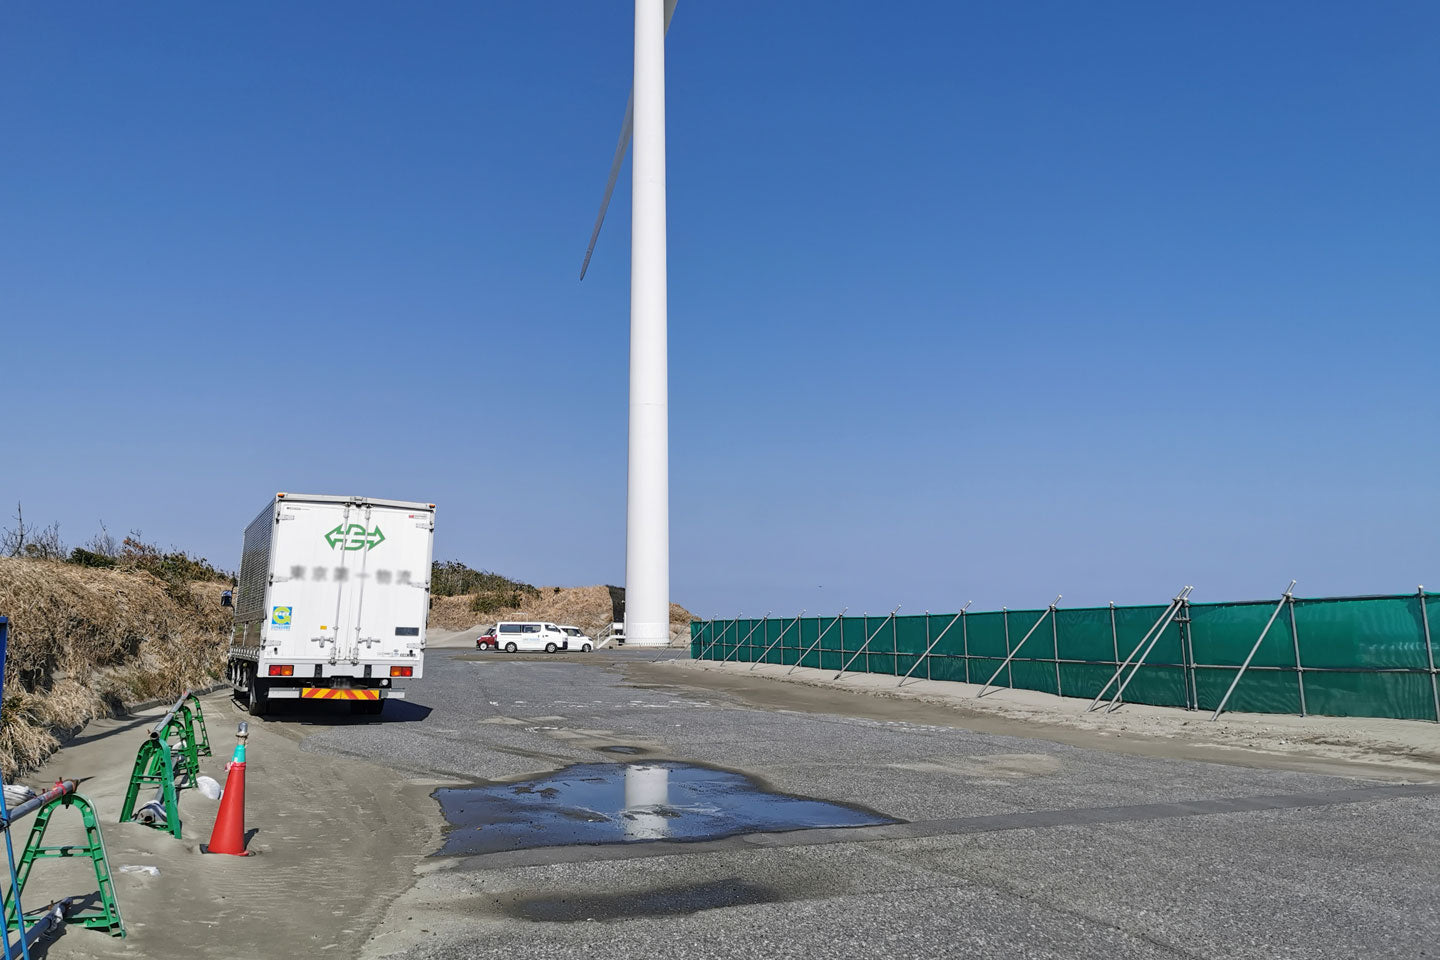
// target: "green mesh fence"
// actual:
[[1336, 656]]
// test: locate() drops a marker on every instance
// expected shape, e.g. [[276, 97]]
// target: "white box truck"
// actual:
[[332, 601]]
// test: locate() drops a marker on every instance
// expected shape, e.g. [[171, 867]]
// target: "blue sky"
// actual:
[[967, 301]]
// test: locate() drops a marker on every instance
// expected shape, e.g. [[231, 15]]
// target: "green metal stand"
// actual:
[[202, 741], [105, 917], [154, 767], [181, 726]]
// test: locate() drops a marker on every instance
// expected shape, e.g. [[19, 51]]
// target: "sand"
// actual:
[[337, 839]]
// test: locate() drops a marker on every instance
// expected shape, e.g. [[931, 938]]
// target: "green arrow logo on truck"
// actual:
[[354, 537]]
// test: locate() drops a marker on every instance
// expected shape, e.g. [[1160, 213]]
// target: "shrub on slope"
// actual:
[[84, 640]]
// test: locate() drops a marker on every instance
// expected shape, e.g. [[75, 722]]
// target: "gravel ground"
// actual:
[[1297, 880]]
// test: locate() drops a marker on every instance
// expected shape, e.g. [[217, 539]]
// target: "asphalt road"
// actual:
[[1010, 847]]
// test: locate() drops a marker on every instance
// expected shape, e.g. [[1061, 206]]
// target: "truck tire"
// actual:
[[259, 696]]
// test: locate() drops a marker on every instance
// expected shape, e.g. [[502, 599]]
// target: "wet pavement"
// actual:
[[600, 803]]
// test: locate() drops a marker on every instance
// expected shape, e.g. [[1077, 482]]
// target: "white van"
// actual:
[[577, 636], [513, 635]]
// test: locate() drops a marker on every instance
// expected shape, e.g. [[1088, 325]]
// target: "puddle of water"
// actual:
[[595, 803]]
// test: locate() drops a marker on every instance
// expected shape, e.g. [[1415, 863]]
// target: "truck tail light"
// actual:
[[402, 671], [282, 670]]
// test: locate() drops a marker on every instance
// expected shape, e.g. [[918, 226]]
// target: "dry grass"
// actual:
[[588, 608], [84, 642]]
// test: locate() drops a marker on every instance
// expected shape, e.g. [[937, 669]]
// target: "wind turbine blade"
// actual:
[[626, 129]]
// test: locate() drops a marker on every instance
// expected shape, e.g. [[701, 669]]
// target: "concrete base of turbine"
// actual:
[[647, 635]]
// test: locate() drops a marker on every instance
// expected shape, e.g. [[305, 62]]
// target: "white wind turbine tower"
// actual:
[[647, 505]]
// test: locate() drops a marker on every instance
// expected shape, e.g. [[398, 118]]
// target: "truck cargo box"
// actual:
[[333, 599]]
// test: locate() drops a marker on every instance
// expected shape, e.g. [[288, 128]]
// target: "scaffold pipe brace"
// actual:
[[62, 788]]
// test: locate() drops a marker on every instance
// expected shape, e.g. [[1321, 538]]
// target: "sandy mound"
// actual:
[[592, 609]]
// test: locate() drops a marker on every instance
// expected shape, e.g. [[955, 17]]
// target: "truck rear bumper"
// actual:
[[295, 693]]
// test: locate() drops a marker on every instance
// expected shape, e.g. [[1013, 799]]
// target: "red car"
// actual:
[[487, 641]]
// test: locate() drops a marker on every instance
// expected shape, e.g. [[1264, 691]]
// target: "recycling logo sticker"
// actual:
[[280, 617]]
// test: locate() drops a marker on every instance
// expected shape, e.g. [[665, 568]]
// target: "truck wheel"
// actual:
[[550, 648], [259, 696]]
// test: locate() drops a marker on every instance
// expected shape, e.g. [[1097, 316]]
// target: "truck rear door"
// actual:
[[391, 572], [311, 599]]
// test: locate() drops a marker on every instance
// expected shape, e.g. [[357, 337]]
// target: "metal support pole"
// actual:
[[1190, 650], [1299, 668], [53, 917], [866, 644], [965, 640], [1011, 654], [840, 620], [865, 630], [62, 788], [766, 653], [164, 721], [764, 631], [1253, 650], [1010, 674], [715, 640], [1114, 635], [747, 636], [1055, 636], [1164, 618], [930, 645], [1175, 608], [1187, 661], [1182, 622], [924, 657], [1429, 653], [704, 646], [894, 647], [736, 649]]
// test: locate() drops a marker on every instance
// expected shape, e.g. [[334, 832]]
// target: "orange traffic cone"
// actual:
[[228, 836]]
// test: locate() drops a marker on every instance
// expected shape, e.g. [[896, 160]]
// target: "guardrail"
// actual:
[[169, 760]]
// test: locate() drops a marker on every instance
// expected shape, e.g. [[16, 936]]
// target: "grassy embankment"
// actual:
[[86, 640]]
